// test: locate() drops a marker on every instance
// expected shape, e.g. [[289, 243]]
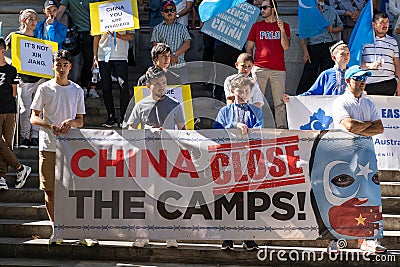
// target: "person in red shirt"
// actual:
[[270, 37]]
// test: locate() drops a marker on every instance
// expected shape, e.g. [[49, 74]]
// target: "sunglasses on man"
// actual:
[[264, 7], [169, 10], [360, 78]]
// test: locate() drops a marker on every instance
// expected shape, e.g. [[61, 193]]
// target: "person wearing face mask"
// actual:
[[316, 55]]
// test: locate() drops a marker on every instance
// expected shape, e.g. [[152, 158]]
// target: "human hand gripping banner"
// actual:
[[113, 16], [316, 113], [216, 184], [33, 56]]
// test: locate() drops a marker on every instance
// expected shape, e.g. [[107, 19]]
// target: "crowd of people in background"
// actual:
[[261, 62]]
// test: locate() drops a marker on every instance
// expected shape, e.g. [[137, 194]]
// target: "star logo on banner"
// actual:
[[360, 220], [364, 170]]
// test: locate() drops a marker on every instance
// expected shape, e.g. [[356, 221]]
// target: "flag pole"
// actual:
[[276, 11]]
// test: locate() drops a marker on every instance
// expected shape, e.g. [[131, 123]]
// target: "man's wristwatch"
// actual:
[[177, 16]]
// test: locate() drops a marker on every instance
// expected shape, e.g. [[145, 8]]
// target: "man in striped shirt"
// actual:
[[174, 34], [382, 58]]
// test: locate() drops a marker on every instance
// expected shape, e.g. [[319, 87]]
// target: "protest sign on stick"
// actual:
[[112, 16]]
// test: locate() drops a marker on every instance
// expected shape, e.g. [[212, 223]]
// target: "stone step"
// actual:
[[26, 153], [31, 182], [25, 228], [391, 205], [390, 189], [389, 176], [23, 211], [23, 195], [391, 222], [187, 253]]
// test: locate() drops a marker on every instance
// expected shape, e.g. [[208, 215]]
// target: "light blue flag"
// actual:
[[362, 34], [211, 8], [310, 20]]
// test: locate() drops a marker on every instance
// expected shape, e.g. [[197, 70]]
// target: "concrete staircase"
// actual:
[[24, 225]]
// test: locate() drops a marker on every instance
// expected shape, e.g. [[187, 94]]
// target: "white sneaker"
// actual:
[[55, 240], [88, 242], [84, 92], [93, 93], [22, 176], [140, 243], [3, 184], [171, 243], [373, 246]]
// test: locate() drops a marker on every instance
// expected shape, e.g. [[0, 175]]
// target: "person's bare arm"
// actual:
[[96, 40], [181, 126], [184, 47], [186, 10], [396, 62], [69, 123], [36, 120], [306, 55], [181, 50], [60, 12], [250, 47], [366, 128], [14, 87], [285, 41], [127, 36]]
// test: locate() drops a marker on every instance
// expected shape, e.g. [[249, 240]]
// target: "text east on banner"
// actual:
[[214, 184]]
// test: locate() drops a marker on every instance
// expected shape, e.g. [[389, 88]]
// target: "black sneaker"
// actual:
[[227, 245], [34, 142], [110, 123], [25, 143], [250, 245]]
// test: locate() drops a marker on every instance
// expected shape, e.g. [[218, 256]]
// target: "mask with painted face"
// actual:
[[346, 186]]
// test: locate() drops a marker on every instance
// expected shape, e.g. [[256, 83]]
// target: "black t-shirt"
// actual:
[[8, 75], [25, 78]]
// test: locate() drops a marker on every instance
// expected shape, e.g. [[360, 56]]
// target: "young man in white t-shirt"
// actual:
[[62, 105]]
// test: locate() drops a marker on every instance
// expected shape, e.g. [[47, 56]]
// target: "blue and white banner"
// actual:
[[315, 113], [232, 26], [210, 8], [310, 20], [216, 184]]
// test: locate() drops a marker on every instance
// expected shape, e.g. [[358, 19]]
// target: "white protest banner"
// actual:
[[315, 113], [215, 184], [111, 16], [387, 145], [33, 56], [232, 26]]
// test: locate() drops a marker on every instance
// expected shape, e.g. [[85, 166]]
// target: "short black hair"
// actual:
[[62, 54], [158, 49], [380, 15], [2, 43]]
